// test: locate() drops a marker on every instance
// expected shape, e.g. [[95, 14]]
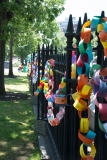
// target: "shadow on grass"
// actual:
[[11, 96], [17, 138]]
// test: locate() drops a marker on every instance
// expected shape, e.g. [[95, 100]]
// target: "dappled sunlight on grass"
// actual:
[[16, 102], [14, 135], [17, 80], [27, 132], [18, 84], [17, 137], [15, 148], [2, 153], [17, 88], [3, 143]]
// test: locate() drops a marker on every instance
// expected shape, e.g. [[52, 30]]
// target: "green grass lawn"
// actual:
[[17, 138]]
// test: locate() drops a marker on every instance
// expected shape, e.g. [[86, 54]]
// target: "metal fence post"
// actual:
[[33, 83], [100, 141], [76, 118], [38, 81], [55, 49], [47, 51], [67, 154]]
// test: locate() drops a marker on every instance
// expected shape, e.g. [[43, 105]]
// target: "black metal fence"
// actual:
[[64, 137]]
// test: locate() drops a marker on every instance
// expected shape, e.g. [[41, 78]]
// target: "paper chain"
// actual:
[[34, 72], [97, 83], [47, 84]]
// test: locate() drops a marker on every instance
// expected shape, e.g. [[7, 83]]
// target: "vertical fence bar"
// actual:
[[38, 81], [76, 118], [55, 49], [33, 83], [57, 132], [47, 52], [78, 36], [85, 113], [42, 96], [69, 35], [51, 48], [31, 73], [85, 18], [100, 140]]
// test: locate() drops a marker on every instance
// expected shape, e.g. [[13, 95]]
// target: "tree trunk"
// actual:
[[21, 57], [2, 55], [11, 56], [2, 52]]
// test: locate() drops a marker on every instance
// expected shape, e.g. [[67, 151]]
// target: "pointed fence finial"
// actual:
[[85, 18], [78, 26], [102, 14], [70, 27]]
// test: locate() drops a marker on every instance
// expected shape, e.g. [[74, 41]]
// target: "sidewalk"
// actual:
[[15, 71], [44, 145], [46, 152]]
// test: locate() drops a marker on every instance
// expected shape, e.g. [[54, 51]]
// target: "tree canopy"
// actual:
[[33, 21], [26, 22]]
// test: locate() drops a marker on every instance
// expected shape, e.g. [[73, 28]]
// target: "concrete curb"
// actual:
[[46, 152]]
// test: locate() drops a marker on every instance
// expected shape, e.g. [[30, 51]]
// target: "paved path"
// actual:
[[15, 71]]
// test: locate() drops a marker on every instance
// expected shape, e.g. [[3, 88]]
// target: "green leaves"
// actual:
[[32, 22]]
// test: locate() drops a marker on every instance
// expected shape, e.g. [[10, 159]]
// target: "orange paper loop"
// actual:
[[105, 52], [84, 139], [82, 80], [103, 35], [61, 100], [86, 35]]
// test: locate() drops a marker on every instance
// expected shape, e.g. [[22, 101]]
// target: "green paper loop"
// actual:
[[100, 124], [81, 47], [89, 47], [94, 68]]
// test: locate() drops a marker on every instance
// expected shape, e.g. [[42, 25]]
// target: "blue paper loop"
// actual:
[[102, 92], [87, 68], [94, 23], [105, 26], [90, 55], [91, 134]]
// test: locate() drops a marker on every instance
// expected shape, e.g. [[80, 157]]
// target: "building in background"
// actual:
[[63, 24]]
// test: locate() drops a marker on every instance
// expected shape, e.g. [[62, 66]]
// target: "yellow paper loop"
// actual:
[[63, 84], [99, 27], [80, 105], [51, 72], [86, 25], [84, 125], [86, 90], [104, 44], [75, 96], [92, 154]]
